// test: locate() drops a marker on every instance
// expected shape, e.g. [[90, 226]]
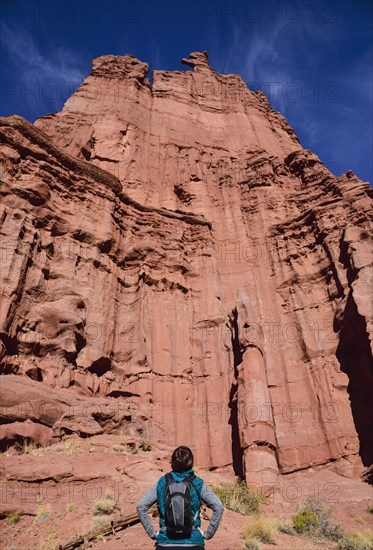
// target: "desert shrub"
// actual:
[[260, 528], [118, 448], [239, 497], [105, 506], [145, 445], [252, 544], [314, 520], [43, 512], [13, 517], [102, 507], [29, 447], [51, 542], [72, 445], [99, 523], [71, 507], [306, 522], [286, 527], [332, 531], [327, 527], [356, 541]]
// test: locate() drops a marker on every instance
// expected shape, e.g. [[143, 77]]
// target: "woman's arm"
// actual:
[[213, 502], [142, 509]]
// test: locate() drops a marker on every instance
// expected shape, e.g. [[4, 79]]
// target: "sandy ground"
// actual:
[[55, 490]]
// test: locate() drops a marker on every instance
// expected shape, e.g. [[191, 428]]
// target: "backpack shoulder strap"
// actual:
[[190, 479], [169, 479]]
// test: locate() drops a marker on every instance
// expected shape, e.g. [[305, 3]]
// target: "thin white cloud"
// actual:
[[232, 50], [264, 64], [331, 100], [270, 53], [60, 69]]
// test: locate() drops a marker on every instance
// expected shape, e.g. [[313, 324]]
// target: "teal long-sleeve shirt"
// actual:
[[207, 496]]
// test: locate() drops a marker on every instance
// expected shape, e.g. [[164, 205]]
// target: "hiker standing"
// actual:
[[178, 495]]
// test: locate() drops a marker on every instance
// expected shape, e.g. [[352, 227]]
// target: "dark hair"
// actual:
[[182, 459]]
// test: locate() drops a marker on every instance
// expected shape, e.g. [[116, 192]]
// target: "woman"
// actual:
[[179, 495]]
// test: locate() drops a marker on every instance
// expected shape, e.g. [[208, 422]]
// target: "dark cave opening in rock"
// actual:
[[100, 366]]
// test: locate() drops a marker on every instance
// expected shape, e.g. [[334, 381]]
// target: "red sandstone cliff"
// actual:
[[175, 263]]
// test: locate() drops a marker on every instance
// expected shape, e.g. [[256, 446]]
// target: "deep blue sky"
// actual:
[[313, 58]]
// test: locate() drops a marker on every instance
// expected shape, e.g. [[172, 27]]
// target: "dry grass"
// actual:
[[263, 529], [72, 445], [286, 527], [252, 544], [51, 542], [145, 445], [43, 512], [359, 519], [99, 523], [105, 506], [118, 448], [239, 497], [31, 448], [71, 507], [357, 540], [13, 517]]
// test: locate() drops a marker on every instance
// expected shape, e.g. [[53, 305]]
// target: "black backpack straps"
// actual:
[[169, 479], [191, 478]]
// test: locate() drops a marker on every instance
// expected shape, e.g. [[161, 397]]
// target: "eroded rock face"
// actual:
[[30, 411], [174, 246]]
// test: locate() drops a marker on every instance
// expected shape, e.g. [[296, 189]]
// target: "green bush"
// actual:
[[327, 527], [306, 522], [239, 497], [313, 520]]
